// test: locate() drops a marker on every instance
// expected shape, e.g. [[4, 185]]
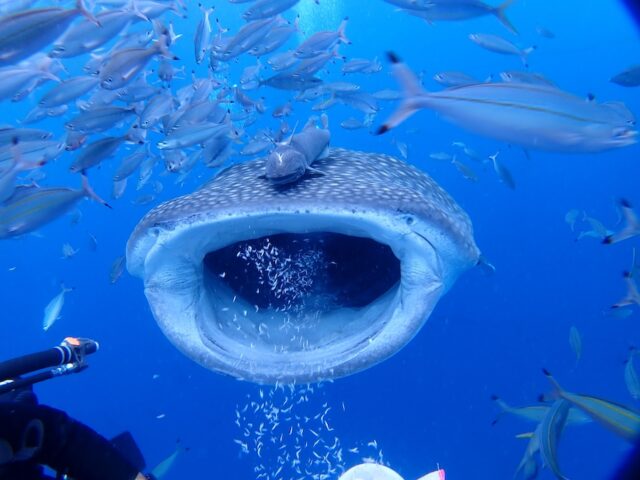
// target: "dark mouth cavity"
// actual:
[[320, 271]]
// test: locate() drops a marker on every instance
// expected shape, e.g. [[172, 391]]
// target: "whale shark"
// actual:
[[306, 281]]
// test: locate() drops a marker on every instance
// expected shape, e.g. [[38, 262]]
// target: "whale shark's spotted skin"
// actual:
[[361, 195], [355, 179]]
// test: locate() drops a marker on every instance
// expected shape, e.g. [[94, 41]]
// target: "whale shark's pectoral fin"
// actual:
[[487, 267], [324, 153]]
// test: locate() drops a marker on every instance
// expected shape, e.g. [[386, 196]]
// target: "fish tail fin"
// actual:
[[89, 192], [324, 121], [19, 163], [499, 12], [342, 31], [632, 227], [133, 8], [525, 54], [632, 296], [412, 92], [504, 406], [557, 389], [82, 8]]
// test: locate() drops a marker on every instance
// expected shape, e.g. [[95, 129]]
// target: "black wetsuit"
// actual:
[[40, 435]]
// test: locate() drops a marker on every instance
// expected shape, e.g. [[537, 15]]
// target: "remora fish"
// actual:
[[291, 160], [532, 116], [188, 253]]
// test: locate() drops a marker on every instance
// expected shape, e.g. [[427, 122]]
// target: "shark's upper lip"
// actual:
[[198, 312]]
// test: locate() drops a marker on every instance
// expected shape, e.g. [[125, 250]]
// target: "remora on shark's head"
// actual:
[[313, 280]]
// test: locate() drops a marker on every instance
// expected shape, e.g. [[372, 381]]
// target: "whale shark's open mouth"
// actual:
[[302, 287]]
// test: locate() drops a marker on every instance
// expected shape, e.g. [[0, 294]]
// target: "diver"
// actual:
[[33, 436]]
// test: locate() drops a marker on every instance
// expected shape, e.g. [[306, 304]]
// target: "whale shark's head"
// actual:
[[304, 282]]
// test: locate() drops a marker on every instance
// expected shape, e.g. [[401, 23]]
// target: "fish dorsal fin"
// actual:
[[620, 109], [293, 132]]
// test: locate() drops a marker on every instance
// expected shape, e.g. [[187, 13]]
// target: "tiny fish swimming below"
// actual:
[[312, 280]]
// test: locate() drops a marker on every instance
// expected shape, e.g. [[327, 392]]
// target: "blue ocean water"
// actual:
[[430, 403]]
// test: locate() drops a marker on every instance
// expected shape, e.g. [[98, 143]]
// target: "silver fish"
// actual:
[[192, 135], [188, 253], [551, 429], [53, 309], [96, 152], [575, 340], [202, 38], [455, 79], [158, 107], [129, 164], [275, 38], [287, 81], [526, 77], [14, 80], [25, 33], [98, 119], [503, 173], [123, 66], [321, 42], [497, 44], [628, 78], [8, 176], [68, 90], [362, 65], [532, 116], [267, 8], [117, 269], [87, 36], [458, 10], [31, 207]]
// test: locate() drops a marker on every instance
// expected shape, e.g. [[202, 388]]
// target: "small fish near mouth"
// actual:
[[325, 278]]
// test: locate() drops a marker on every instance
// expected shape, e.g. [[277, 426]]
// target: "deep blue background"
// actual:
[[429, 403]]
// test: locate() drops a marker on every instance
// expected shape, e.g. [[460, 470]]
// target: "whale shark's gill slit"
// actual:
[[320, 271]]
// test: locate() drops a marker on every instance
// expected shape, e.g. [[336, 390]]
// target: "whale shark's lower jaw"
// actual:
[[292, 296]]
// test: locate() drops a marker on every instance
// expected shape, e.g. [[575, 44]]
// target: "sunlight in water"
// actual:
[[318, 17]]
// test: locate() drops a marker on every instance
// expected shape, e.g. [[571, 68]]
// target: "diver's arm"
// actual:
[[68, 446]]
